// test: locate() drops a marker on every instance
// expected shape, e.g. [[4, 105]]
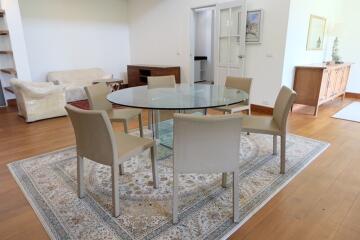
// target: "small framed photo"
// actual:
[[315, 40], [254, 25]]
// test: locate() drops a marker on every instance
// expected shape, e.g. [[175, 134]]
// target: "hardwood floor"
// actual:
[[323, 202]]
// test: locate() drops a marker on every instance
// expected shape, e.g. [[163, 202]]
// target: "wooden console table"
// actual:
[[138, 74], [320, 83]]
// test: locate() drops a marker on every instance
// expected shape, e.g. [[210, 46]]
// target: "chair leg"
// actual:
[[236, 196], [275, 145], [126, 128], [224, 180], [249, 113], [80, 176], [157, 121], [149, 119], [154, 166], [283, 152], [115, 190], [175, 199], [121, 169], [141, 126]]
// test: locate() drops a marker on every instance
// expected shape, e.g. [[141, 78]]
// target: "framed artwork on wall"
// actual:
[[316, 33], [254, 25]]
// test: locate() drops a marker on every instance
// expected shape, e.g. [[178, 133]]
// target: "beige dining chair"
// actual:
[[197, 149], [275, 125], [97, 99], [161, 82], [241, 84], [96, 141]]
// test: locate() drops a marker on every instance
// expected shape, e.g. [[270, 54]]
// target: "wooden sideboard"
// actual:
[[138, 74], [318, 84]]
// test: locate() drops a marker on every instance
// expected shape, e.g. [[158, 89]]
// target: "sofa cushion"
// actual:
[[74, 81], [80, 77]]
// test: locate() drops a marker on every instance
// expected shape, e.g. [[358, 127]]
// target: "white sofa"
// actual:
[[39, 100], [74, 81]]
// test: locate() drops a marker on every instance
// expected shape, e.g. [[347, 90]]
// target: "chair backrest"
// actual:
[[239, 83], [206, 144], [162, 82], [284, 101], [95, 138], [97, 96]]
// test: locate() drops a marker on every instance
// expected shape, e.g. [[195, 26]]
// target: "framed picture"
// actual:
[[254, 25], [315, 40]]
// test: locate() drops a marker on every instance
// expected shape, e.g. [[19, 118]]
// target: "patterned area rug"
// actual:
[[49, 183]]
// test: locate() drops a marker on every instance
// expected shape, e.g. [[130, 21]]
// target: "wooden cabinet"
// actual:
[[318, 84], [138, 74]]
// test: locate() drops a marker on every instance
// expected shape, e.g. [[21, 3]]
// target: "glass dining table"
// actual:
[[180, 98]]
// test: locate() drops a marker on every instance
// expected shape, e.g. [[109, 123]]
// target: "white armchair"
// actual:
[[39, 100]]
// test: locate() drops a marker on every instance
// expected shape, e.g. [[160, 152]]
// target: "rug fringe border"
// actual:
[[33, 205]]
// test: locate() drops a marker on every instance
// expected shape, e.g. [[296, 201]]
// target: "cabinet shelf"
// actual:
[[6, 52], [10, 71], [4, 32]]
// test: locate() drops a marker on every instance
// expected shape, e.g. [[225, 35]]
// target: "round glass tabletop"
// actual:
[[183, 96]]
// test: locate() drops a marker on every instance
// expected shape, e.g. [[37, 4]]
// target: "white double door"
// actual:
[[230, 31]]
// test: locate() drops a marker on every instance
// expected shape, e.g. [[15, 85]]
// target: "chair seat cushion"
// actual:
[[260, 124], [123, 114], [234, 108], [129, 145]]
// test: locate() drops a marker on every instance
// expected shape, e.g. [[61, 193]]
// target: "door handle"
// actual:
[[241, 56]]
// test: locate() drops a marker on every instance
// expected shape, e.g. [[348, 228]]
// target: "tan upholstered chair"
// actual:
[[97, 99], [38, 100], [197, 149], [96, 141], [275, 125], [242, 84], [161, 82], [96, 95]]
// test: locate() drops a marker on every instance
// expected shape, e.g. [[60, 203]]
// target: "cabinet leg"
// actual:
[[316, 111]]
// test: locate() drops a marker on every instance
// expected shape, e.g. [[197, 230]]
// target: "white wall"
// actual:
[[68, 34], [349, 39], [160, 34], [299, 17]]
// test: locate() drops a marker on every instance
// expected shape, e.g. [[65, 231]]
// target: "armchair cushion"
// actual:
[[40, 90]]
